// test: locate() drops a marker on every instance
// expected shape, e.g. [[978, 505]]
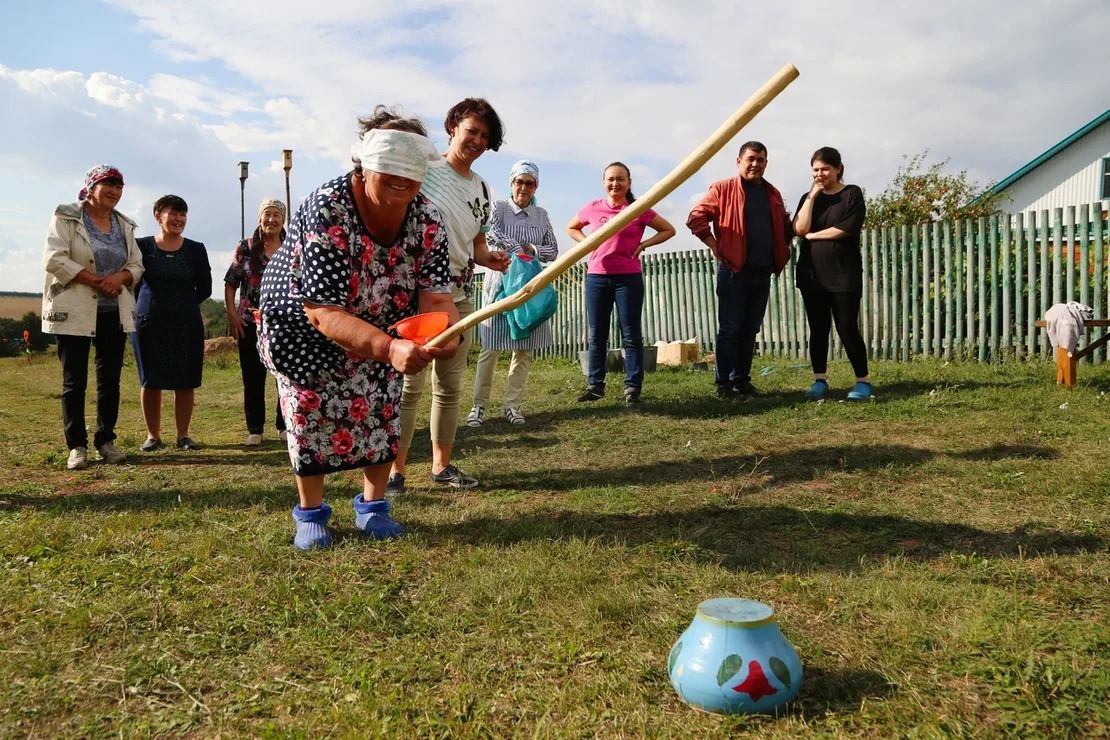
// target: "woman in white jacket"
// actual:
[[91, 261]]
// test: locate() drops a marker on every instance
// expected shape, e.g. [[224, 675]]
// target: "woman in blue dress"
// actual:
[[169, 333]]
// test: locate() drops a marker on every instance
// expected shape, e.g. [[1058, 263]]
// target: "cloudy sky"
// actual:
[[176, 94]]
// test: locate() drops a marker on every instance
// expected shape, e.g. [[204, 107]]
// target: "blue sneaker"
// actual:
[[312, 528], [373, 520], [818, 390], [861, 392]]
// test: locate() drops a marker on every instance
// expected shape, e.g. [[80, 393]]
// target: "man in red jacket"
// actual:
[[744, 223]]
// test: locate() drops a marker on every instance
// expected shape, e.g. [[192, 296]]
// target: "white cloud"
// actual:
[[50, 83], [199, 96], [108, 89]]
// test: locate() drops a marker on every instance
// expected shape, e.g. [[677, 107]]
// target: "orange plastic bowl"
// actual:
[[422, 327]]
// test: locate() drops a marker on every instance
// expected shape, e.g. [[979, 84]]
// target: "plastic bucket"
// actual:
[[422, 327]]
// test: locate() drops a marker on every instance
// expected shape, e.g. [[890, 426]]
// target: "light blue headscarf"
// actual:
[[525, 167]]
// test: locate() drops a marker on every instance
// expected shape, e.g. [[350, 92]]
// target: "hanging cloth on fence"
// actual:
[[1066, 322]]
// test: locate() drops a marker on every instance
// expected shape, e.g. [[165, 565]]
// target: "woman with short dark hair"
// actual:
[[169, 336], [463, 199]]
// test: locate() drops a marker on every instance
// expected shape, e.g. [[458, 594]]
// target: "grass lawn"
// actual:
[[938, 558]]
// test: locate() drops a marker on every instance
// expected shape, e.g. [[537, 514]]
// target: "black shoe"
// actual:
[[592, 393], [186, 443], [395, 486], [746, 389], [727, 392], [151, 444], [452, 476], [631, 396]]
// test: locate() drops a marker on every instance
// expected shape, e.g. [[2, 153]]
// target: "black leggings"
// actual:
[[822, 310], [255, 380]]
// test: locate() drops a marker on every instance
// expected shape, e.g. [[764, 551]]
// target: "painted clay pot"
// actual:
[[733, 658]]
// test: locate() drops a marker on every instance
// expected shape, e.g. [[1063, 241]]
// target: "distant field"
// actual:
[[14, 307]]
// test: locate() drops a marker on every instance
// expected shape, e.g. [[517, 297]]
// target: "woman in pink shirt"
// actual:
[[615, 276]]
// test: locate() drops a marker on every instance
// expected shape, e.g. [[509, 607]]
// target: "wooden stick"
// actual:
[[745, 113]]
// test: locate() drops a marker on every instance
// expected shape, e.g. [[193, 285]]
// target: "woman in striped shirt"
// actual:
[[516, 226]]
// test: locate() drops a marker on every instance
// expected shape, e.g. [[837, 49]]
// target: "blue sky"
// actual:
[[177, 94]]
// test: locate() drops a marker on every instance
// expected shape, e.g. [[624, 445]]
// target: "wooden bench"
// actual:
[[1066, 361]]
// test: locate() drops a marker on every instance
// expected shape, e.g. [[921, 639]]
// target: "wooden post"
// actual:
[[994, 326], [1102, 286], [696, 159], [981, 325], [1057, 245], [926, 289], [1007, 302], [1084, 235], [1065, 367], [914, 247], [1021, 320], [951, 321]]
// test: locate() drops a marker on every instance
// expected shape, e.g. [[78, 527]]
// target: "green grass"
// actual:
[[938, 558]]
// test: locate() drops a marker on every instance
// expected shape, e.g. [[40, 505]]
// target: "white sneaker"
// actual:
[[476, 417], [253, 440], [283, 436], [111, 454], [514, 416], [78, 458]]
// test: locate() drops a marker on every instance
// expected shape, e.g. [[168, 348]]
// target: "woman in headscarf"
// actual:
[[517, 226], [91, 261], [364, 250], [169, 339], [245, 275]]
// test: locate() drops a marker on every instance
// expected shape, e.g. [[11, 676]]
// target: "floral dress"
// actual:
[[343, 411], [242, 276]]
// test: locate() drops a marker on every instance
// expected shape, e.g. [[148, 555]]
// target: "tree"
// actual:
[[214, 317], [918, 194]]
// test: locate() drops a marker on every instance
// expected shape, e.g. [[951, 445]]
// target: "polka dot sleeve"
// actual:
[[435, 268], [325, 262]]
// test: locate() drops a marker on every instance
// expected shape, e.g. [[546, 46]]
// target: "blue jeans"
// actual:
[[627, 291], [741, 302]]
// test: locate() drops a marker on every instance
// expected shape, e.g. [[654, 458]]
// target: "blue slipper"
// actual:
[[860, 392], [818, 390], [373, 520], [312, 528]]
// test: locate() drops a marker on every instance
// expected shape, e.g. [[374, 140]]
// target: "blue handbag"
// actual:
[[524, 319]]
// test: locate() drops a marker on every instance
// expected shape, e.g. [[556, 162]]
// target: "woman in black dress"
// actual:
[[830, 270], [169, 336]]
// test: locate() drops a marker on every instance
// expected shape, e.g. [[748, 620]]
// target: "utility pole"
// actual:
[[287, 164], [242, 199]]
